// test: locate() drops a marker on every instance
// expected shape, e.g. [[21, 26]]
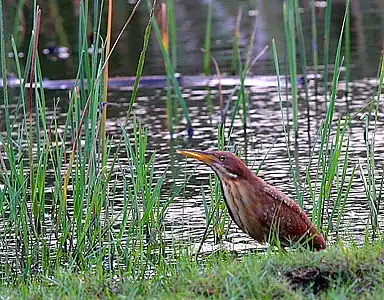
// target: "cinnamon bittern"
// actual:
[[258, 208]]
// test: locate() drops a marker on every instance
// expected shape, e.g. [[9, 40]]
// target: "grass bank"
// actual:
[[339, 272]]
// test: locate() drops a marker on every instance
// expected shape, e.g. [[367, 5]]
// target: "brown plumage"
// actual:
[[259, 209]]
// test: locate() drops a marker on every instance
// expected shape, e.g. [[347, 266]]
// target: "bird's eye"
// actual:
[[221, 157]]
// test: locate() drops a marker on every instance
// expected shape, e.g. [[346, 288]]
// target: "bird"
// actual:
[[259, 209]]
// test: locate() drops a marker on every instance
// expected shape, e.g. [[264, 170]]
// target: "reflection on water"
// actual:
[[59, 35]]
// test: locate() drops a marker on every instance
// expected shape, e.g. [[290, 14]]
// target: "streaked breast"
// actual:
[[234, 198]]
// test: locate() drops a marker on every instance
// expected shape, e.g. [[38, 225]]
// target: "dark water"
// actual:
[[59, 28], [265, 135]]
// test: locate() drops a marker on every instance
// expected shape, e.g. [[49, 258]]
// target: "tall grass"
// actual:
[[17, 22], [304, 66], [207, 40], [314, 41], [373, 185], [327, 34], [286, 132], [290, 37], [167, 12], [328, 154], [75, 224], [168, 31], [105, 86], [243, 69], [330, 171], [347, 54], [171, 16], [171, 75]]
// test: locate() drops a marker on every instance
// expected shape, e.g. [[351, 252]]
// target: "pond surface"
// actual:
[[264, 144], [265, 141], [59, 28]]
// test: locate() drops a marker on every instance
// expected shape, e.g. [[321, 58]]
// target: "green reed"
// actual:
[[73, 223], [215, 213], [216, 216], [168, 28], [372, 189], [286, 132], [347, 54], [373, 186], [4, 75], [290, 37], [145, 227], [303, 57], [242, 95], [172, 31], [329, 161], [314, 41], [327, 34], [17, 21], [140, 65], [292, 27], [171, 76], [207, 40], [243, 71], [105, 85]]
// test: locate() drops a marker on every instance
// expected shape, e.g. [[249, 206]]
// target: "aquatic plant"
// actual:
[[171, 76], [75, 223], [207, 40]]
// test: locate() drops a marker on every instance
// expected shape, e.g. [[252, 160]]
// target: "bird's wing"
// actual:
[[290, 219]]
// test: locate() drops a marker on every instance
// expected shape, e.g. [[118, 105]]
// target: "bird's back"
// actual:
[[264, 213]]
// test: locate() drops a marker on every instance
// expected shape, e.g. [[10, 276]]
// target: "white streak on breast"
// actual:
[[236, 207]]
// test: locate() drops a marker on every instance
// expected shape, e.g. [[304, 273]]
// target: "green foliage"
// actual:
[[171, 76], [207, 41], [337, 274], [75, 224], [329, 173], [289, 13]]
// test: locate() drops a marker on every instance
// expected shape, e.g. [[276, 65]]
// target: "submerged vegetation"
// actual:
[[99, 230]]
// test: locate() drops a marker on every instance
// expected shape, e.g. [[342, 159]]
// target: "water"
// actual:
[[265, 139], [265, 142], [59, 29]]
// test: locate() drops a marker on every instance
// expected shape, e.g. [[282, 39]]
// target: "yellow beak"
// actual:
[[199, 155]]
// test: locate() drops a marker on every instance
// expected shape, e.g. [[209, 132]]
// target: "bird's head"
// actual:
[[224, 163]]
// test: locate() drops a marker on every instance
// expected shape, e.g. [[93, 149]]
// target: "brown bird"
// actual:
[[259, 209]]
